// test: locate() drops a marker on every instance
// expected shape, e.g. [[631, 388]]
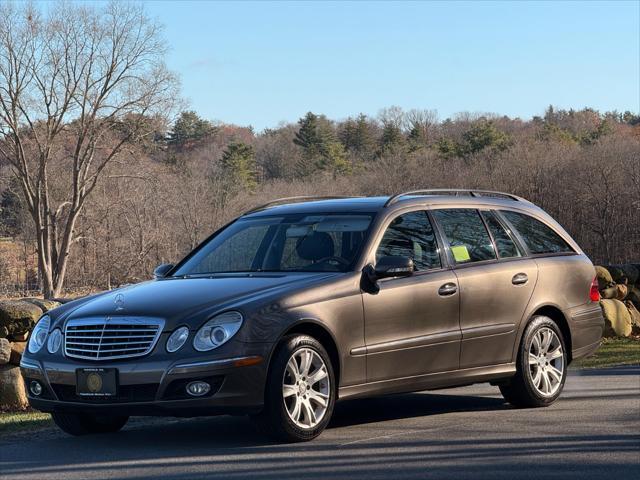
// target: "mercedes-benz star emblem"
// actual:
[[119, 301], [94, 382]]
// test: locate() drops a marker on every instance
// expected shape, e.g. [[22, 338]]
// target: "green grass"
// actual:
[[613, 352], [14, 421]]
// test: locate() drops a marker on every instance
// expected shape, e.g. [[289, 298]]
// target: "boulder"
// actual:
[[20, 337], [621, 292], [617, 274], [17, 349], [5, 351], [631, 272], [63, 300], [44, 305], [17, 317], [12, 393], [634, 296], [618, 318], [611, 292], [604, 278], [637, 265], [635, 316]]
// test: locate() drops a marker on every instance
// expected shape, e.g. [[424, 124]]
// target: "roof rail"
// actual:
[[294, 199], [453, 191]]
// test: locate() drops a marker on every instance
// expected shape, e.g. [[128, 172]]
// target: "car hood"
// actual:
[[184, 299]]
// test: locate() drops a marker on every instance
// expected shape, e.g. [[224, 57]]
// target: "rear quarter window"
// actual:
[[538, 237], [507, 248]]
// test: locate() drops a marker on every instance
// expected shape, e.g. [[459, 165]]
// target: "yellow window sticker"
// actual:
[[460, 253]]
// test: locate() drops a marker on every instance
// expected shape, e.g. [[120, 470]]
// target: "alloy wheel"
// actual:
[[546, 362], [306, 388]]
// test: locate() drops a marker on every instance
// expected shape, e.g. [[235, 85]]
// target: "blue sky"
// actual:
[[259, 63]]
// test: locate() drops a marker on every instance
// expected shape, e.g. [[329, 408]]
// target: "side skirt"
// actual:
[[431, 381]]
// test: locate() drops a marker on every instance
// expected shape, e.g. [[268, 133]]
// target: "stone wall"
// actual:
[[17, 319], [619, 287]]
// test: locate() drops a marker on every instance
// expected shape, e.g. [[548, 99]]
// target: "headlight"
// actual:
[[217, 331], [55, 340], [177, 338], [39, 334]]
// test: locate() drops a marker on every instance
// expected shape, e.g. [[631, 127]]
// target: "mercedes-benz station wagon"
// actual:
[[303, 302]]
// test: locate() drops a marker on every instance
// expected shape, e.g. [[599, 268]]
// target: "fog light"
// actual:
[[198, 389], [35, 388]]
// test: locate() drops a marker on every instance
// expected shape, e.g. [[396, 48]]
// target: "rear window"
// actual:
[[538, 237]]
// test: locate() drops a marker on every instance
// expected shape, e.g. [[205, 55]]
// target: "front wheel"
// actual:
[[300, 391], [84, 424], [541, 366]]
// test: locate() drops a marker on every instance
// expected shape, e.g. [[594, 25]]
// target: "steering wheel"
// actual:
[[341, 260]]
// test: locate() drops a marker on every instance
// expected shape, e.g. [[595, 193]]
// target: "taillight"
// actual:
[[594, 294]]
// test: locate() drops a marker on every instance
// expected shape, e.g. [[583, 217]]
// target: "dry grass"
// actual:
[[23, 420]]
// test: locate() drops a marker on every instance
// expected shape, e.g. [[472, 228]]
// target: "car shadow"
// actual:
[[229, 447], [396, 407], [606, 372], [228, 432]]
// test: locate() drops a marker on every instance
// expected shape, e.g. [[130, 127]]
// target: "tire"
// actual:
[[84, 424], [277, 417], [541, 370]]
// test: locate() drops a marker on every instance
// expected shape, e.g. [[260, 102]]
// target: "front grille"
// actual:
[[111, 338], [126, 393]]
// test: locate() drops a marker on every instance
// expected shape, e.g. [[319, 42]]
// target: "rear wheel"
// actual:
[[541, 366], [300, 391], [84, 424]]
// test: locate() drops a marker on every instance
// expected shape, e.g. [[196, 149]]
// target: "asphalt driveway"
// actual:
[[593, 431]]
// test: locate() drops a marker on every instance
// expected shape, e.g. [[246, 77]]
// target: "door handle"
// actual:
[[447, 289], [520, 279]]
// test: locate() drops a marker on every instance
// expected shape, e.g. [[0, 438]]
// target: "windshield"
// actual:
[[287, 243]]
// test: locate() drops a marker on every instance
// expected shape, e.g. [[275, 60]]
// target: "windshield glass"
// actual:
[[287, 243]]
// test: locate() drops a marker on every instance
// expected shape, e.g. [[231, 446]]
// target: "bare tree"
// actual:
[[77, 85], [394, 116], [424, 120]]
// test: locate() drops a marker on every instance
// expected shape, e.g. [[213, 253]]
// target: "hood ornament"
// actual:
[[119, 301]]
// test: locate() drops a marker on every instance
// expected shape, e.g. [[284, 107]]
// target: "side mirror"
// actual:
[[162, 270], [388, 267]]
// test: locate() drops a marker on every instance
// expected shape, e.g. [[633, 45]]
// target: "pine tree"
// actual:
[[188, 129], [481, 135], [392, 139], [320, 149], [358, 137], [335, 160], [239, 163]]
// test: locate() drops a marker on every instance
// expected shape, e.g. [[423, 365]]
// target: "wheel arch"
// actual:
[[315, 329], [555, 314]]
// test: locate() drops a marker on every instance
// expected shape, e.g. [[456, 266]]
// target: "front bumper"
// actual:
[[148, 387]]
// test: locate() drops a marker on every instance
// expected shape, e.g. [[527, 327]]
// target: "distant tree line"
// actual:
[[102, 176], [170, 192]]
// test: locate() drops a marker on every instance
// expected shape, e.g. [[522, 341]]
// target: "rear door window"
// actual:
[[411, 235], [468, 238], [538, 237], [505, 245]]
